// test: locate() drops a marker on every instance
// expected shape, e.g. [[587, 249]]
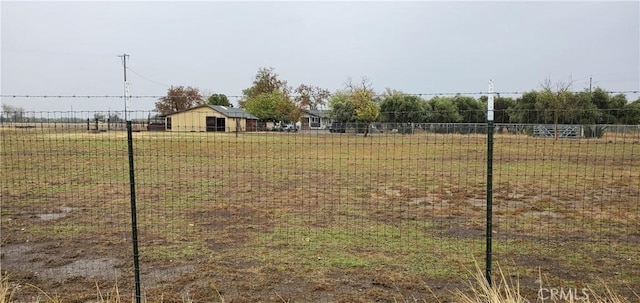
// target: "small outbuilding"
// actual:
[[211, 118]]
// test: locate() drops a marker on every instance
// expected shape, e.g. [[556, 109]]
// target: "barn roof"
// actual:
[[233, 112], [230, 112]]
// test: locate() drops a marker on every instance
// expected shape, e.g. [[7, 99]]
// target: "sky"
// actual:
[[71, 48]]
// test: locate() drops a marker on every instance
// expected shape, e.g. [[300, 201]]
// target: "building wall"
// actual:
[[195, 120], [306, 122]]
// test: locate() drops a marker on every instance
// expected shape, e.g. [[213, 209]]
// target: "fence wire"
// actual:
[[315, 215]]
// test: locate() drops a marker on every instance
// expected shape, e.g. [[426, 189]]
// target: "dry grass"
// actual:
[[503, 290], [506, 290], [479, 291], [8, 289], [250, 214]]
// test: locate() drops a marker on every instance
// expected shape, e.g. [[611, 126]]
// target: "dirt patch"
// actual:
[[466, 232], [430, 202], [479, 203], [157, 277]]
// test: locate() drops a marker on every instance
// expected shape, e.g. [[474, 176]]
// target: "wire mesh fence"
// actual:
[[314, 215]]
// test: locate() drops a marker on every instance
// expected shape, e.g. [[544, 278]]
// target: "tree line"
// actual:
[[271, 99]]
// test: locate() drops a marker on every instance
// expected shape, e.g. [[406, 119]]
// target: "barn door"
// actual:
[[211, 124], [220, 124]]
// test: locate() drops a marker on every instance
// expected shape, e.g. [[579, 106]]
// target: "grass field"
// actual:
[[315, 217]]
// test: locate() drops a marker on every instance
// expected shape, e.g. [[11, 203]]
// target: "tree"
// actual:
[[219, 99], [525, 109], [617, 105], [341, 108], [12, 113], [502, 108], [99, 117], [470, 109], [401, 108], [600, 98], [266, 81], [443, 110], [609, 107], [179, 98], [274, 93], [273, 106], [362, 97], [580, 109], [631, 113], [311, 97], [555, 96], [114, 117]]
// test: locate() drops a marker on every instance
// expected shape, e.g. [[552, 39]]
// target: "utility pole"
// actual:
[[126, 85], [590, 80]]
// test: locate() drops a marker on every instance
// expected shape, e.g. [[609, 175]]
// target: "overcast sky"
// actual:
[[71, 48]]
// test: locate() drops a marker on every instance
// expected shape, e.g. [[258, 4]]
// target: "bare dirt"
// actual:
[[73, 269]]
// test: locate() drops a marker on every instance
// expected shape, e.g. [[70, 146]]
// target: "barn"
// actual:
[[211, 118]]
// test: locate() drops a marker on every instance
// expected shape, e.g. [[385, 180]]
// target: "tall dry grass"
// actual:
[[8, 290], [503, 291], [508, 291]]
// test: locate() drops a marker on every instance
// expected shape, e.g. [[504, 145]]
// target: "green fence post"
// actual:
[[134, 220], [490, 127]]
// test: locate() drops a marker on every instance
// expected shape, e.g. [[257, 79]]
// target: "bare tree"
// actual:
[[557, 95], [311, 97], [12, 113]]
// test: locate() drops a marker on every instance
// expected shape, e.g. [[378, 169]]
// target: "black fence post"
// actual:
[[134, 220], [489, 199]]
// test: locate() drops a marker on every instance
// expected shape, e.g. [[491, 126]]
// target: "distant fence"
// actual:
[[313, 216]]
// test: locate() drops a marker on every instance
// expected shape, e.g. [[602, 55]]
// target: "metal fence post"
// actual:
[[134, 220], [489, 183]]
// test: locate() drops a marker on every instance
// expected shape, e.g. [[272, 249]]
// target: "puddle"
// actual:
[[64, 211], [545, 213], [35, 258], [87, 268], [47, 217]]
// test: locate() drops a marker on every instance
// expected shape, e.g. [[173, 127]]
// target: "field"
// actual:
[[310, 217]]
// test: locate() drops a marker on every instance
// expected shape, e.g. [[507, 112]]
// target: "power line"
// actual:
[[145, 78], [73, 96]]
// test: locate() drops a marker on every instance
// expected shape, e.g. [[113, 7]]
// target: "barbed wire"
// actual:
[[79, 96], [239, 97]]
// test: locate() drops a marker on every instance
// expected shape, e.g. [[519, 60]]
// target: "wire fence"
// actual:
[[320, 214]]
